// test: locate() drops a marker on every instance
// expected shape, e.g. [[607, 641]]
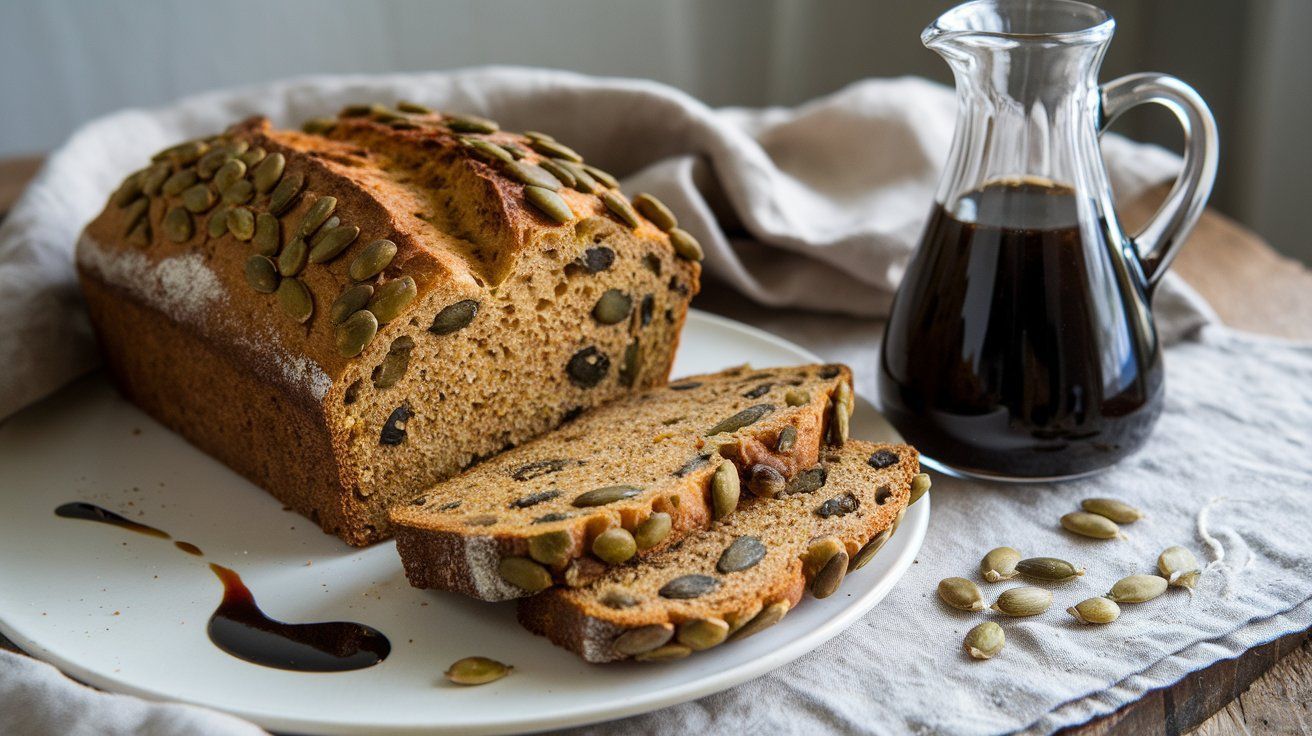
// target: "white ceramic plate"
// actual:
[[127, 613]]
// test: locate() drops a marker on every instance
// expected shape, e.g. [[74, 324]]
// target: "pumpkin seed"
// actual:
[[725, 488], [549, 203], [920, 483], [454, 317], [766, 482], [198, 198], [807, 481], [797, 397], [554, 149], [239, 193], [685, 245], [750, 415], [524, 573], [818, 553], [351, 300], [605, 495], [318, 213], [154, 178], [1048, 568], [1090, 525], [703, 633], [394, 364], [517, 151], [618, 599], [838, 506], [295, 300], [826, 581], [392, 298], [1179, 566], [1097, 610], [177, 225], [643, 639], [1026, 601], [293, 257], [268, 172], [488, 150], [655, 210], [743, 553], [871, 548], [537, 135], [653, 530], [476, 671], [552, 548], [613, 307], [601, 176], [787, 438], [284, 195], [372, 260], [217, 224], [617, 204], [177, 183], [141, 234], [229, 173], [1118, 511], [667, 653], [241, 223], [210, 163], [129, 190], [631, 364], [261, 274], [253, 157], [999, 564], [470, 124], [134, 214], [842, 413], [413, 108], [319, 126], [985, 640], [583, 181], [329, 245], [961, 594], [769, 616], [615, 545], [355, 111], [184, 154], [587, 367], [565, 176], [268, 233], [530, 174], [689, 586], [355, 333], [1137, 588]]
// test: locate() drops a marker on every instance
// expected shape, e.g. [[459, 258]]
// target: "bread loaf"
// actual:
[[742, 574], [622, 482], [349, 314]]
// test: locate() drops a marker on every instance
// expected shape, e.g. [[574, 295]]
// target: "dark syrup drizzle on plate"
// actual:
[[241, 629]]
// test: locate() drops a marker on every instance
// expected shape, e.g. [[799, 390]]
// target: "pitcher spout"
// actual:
[[1006, 24]]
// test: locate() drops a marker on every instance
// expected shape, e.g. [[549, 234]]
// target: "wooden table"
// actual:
[[1268, 689]]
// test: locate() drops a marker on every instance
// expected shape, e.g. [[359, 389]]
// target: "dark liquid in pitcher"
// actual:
[[1020, 344]]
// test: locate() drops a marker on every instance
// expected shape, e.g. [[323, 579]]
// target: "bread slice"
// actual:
[[625, 480], [742, 574]]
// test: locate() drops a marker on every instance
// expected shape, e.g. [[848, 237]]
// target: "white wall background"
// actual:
[[65, 61]]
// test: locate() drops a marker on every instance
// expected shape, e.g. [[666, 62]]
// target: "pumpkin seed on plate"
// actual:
[[620, 207], [295, 300], [292, 259], [372, 260], [549, 203], [769, 616], [1118, 511], [551, 548], [643, 639], [524, 573], [999, 564], [1137, 588], [391, 299], [1025, 601], [961, 594], [351, 300], [261, 274], [178, 225], [826, 581], [1179, 566], [268, 233], [985, 640], [655, 210], [355, 333], [268, 172], [703, 633], [615, 545], [920, 484], [685, 245], [1048, 568], [653, 530], [725, 489], [1090, 525], [476, 671], [1097, 610]]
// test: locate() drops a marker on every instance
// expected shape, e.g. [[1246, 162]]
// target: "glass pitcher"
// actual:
[[1021, 344]]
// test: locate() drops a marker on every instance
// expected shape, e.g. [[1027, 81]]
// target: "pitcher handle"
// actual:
[[1159, 240]]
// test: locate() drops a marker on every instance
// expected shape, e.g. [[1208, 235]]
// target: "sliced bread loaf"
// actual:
[[621, 481], [744, 572]]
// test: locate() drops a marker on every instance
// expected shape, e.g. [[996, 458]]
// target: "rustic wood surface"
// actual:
[[1268, 689]]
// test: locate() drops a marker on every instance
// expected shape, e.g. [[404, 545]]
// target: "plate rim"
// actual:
[[914, 527]]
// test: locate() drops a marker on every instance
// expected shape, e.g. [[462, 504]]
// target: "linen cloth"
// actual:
[[822, 205]]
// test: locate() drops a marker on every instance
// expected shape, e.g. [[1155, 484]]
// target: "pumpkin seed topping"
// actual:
[[372, 260], [470, 124], [329, 245], [643, 639], [743, 553], [285, 194], [554, 149], [318, 213], [1137, 588], [217, 224], [210, 163], [154, 179], [685, 245], [653, 530], [985, 640], [605, 495], [549, 203], [689, 586], [261, 274], [725, 489], [617, 204], [655, 210], [292, 259], [295, 300], [177, 225], [1179, 566], [1118, 511], [961, 594], [228, 174], [454, 317], [615, 545], [1048, 568], [253, 156], [476, 671], [583, 181], [1097, 610], [769, 616], [565, 176], [831, 576], [601, 176], [240, 192], [703, 633], [999, 564], [356, 332], [413, 108], [268, 172], [524, 573], [552, 548], [488, 150], [1090, 525], [268, 233], [613, 307], [1026, 601], [319, 126], [134, 213], [391, 299], [530, 174], [537, 135]]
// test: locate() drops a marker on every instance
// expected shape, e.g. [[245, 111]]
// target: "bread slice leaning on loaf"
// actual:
[[743, 573], [623, 481], [348, 315]]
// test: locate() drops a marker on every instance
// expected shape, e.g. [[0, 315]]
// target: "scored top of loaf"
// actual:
[[447, 191]]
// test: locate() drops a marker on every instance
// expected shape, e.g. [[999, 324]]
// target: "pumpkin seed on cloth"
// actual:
[[985, 640], [961, 594], [1026, 601], [1048, 568], [476, 671], [1097, 610], [1179, 566], [999, 564], [1118, 511], [1137, 588], [1090, 525]]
